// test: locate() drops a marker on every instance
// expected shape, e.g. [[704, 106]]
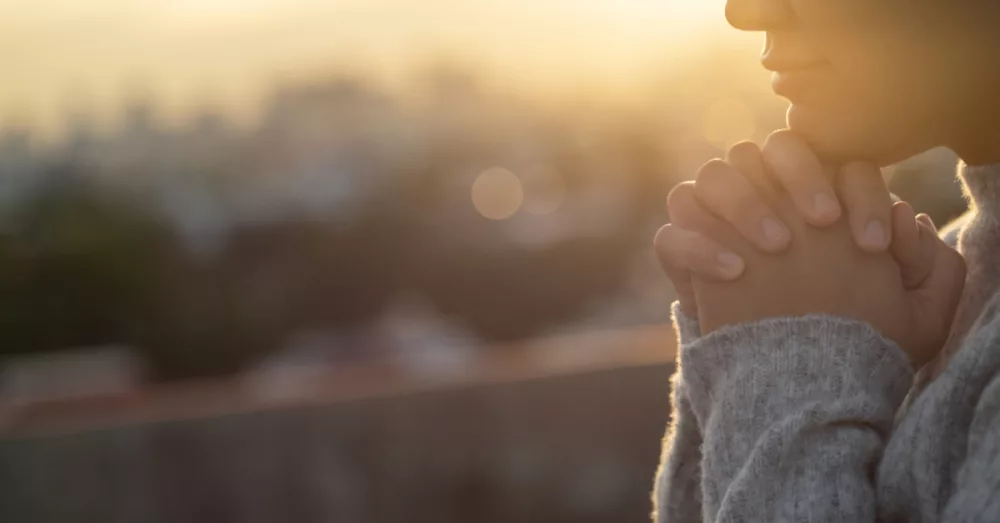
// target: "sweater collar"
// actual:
[[981, 184]]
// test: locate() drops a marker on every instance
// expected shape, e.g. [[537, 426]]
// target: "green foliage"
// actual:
[[75, 266]]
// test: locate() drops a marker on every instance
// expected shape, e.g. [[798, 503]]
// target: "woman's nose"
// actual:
[[758, 15]]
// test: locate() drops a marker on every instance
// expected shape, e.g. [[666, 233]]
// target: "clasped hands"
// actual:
[[770, 232]]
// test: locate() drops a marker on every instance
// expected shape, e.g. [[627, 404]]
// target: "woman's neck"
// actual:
[[978, 141], [985, 156]]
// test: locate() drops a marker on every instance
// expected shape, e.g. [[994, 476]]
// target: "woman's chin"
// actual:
[[840, 138]]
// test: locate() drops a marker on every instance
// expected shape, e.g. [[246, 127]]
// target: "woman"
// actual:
[[802, 332]]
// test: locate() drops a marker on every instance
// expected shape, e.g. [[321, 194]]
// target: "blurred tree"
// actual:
[[346, 198], [76, 267], [82, 265], [512, 295], [318, 273], [206, 321]]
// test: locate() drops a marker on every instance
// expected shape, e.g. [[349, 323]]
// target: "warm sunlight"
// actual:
[[219, 9], [678, 8], [727, 122], [636, 9], [229, 53], [421, 261]]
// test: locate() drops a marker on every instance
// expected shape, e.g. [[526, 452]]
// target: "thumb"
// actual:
[[941, 291], [913, 251]]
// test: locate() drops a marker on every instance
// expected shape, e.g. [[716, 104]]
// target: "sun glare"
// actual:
[[727, 122], [213, 9], [192, 50], [680, 8]]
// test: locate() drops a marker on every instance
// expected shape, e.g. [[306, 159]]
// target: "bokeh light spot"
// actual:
[[545, 191], [727, 122], [497, 194]]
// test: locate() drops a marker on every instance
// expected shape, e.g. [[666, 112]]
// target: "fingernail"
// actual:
[[874, 236], [731, 264], [825, 206], [773, 231]]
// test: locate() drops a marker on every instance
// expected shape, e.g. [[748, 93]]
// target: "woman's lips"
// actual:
[[797, 82]]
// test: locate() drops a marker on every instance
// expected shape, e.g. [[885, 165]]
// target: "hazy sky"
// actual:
[[56, 54]]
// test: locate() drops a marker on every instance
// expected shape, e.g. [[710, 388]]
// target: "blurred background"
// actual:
[[353, 260]]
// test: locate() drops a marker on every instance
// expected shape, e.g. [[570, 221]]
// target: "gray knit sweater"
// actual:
[[803, 419]]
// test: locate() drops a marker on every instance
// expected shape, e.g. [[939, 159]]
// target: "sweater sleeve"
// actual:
[[975, 495], [794, 414], [677, 493]]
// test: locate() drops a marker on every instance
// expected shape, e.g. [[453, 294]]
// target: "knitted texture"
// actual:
[[798, 419]]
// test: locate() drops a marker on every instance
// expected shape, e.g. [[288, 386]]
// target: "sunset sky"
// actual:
[[57, 54]]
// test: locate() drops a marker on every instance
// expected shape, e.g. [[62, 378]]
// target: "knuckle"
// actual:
[[665, 246], [744, 149], [744, 195], [679, 249], [743, 206], [713, 179], [863, 169], [669, 238], [866, 205], [864, 177], [793, 162], [662, 238], [726, 192], [712, 168], [698, 250], [679, 197], [779, 140]]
